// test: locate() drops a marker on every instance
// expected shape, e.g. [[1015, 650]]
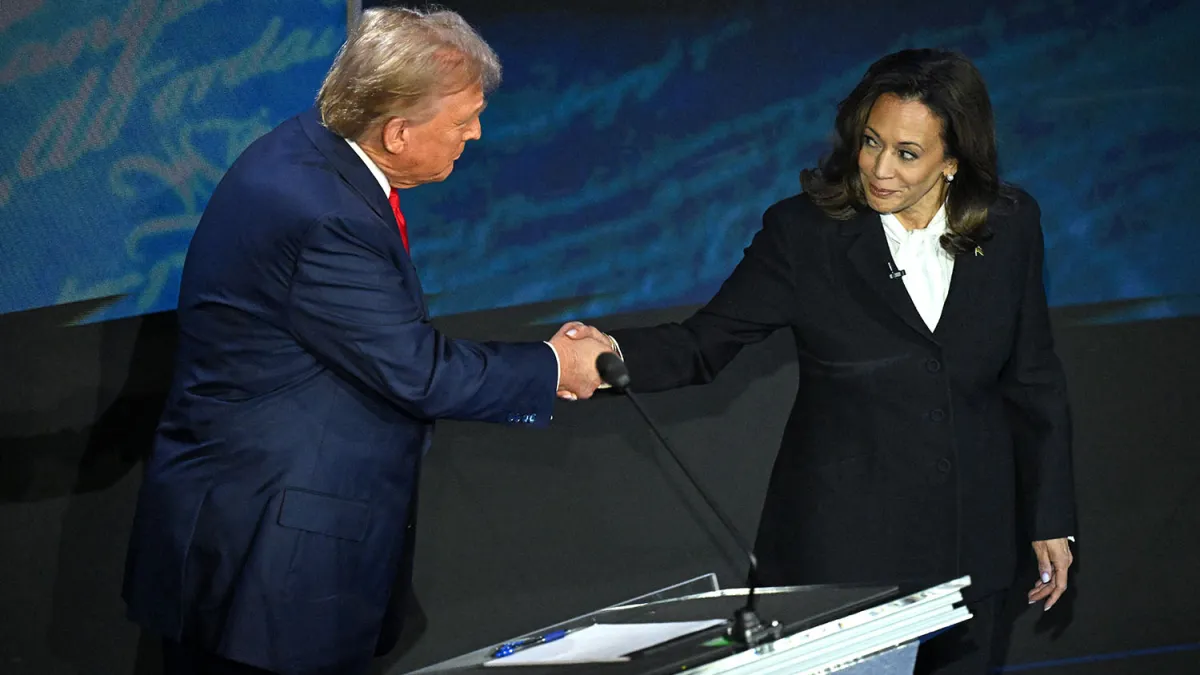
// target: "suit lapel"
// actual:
[[870, 256], [348, 164], [970, 270], [352, 169]]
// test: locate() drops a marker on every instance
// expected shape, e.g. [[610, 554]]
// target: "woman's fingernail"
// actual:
[[1045, 577], [571, 333]]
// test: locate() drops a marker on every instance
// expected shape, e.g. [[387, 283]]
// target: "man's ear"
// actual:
[[396, 133]]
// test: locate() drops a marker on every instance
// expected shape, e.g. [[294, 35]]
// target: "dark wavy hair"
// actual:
[[954, 91]]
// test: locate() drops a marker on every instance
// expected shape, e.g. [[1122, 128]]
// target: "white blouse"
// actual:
[[927, 266]]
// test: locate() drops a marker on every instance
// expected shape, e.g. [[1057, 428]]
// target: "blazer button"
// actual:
[[933, 365], [943, 465], [937, 415]]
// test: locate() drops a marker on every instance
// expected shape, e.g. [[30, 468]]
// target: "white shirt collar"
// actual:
[[375, 171], [926, 267], [896, 230]]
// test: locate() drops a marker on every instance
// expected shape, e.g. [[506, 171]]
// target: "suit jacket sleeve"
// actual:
[[348, 306], [757, 298], [1035, 387]]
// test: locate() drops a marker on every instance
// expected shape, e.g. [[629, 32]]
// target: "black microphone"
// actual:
[[746, 629]]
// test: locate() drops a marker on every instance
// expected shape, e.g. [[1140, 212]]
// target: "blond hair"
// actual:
[[397, 63]]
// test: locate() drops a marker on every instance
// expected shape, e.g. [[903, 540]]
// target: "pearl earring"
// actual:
[[950, 178]]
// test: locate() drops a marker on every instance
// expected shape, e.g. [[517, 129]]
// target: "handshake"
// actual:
[[577, 346]]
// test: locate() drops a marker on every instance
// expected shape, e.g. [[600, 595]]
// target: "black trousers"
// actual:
[[184, 660], [971, 648]]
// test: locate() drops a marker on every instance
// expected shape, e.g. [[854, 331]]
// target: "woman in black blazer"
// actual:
[[931, 408]]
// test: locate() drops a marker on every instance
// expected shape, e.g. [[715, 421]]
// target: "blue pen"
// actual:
[[518, 645]]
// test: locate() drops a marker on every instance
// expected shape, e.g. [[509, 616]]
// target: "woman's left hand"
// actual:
[[1054, 557]]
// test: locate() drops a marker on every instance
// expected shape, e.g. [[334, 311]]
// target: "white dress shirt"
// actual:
[[927, 266], [375, 170]]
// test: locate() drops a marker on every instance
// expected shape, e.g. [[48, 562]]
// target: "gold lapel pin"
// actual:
[[978, 251]]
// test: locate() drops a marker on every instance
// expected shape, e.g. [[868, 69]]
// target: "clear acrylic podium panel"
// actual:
[[706, 583], [796, 608]]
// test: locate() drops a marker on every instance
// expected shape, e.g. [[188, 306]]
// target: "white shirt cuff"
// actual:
[[616, 347], [557, 367]]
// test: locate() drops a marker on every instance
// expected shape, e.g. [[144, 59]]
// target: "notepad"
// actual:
[[603, 643]]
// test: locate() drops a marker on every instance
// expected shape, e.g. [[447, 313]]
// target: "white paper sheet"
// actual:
[[603, 643]]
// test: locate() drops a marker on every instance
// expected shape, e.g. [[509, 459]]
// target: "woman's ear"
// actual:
[[950, 169]]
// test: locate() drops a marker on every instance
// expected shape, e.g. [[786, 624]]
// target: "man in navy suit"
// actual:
[[274, 527]]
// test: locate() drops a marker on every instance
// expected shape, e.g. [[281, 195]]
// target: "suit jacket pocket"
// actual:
[[324, 514]]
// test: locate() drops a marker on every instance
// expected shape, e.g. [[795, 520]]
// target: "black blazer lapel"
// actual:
[[970, 272], [870, 257]]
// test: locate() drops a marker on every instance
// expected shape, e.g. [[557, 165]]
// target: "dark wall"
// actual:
[[77, 411], [522, 528]]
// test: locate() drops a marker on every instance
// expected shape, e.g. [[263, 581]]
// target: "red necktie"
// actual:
[[394, 198]]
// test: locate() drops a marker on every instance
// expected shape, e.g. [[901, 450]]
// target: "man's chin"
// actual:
[[437, 177]]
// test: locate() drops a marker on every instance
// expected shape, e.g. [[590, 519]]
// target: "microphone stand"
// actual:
[[746, 628]]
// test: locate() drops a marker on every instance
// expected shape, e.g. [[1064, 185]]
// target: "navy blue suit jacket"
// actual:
[[271, 525]]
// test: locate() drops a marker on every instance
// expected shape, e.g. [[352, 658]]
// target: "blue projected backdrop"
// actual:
[[120, 117], [625, 161]]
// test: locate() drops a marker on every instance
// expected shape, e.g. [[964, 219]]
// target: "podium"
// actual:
[[848, 629]]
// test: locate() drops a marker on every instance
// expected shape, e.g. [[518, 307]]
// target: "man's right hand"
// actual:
[[577, 346]]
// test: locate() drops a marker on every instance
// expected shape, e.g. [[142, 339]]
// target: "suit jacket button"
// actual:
[[937, 415], [933, 365], [943, 465]]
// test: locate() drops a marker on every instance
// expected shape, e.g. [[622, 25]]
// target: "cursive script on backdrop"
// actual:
[[184, 150]]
